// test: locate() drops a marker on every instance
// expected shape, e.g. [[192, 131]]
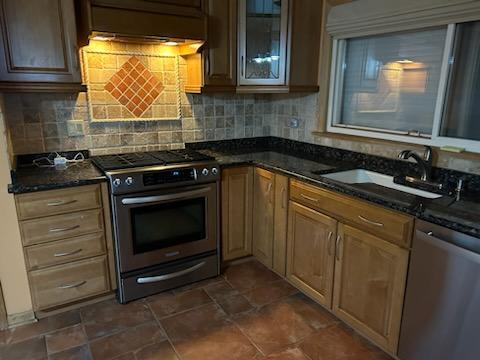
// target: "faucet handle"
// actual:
[[428, 153]]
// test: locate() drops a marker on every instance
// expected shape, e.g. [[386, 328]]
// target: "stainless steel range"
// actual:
[[165, 216]]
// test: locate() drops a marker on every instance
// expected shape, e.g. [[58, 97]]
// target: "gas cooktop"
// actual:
[[152, 158]]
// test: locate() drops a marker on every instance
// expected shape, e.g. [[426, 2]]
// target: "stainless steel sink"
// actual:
[[361, 176]]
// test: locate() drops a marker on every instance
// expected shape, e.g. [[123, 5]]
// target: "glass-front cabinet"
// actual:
[[262, 35]]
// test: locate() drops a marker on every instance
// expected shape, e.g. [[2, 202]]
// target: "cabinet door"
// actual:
[[280, 224], [310, 252], [263, 210], [221, 51], [38, 42], [262, 37], [370, 276], [237, 192]]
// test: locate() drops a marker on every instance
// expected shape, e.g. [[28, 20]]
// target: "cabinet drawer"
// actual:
[[61, 226], [70, 282], [62, 251], [388, 224], [54, 202]]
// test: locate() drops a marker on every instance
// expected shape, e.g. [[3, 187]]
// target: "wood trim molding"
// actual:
[[368, 17], [42, 87], [23, 318], [3, 311]]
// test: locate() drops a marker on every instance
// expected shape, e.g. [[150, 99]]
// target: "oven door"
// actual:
[[156, 227]]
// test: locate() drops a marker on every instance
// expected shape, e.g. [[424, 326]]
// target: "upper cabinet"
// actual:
[[262, 35], [38, 46], [259, 46], [220, 53]]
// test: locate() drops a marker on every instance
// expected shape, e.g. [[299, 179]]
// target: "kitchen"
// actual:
[[239, 179]]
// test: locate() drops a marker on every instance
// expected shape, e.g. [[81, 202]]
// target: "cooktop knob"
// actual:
[[117, 182], [214, 171], [205, 172], [129, 181]]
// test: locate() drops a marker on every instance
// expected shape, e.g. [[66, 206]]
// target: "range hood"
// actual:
[[179, 21]]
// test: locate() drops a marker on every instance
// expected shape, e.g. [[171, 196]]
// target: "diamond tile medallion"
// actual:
[[134, 86]]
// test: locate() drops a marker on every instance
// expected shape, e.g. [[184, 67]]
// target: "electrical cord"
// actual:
[[62, 162]]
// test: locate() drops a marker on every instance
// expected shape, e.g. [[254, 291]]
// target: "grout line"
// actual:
[[164, 331]]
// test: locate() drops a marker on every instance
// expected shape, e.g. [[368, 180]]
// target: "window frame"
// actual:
[[435, 139]]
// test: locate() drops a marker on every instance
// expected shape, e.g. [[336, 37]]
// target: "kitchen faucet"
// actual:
[[425, 165]]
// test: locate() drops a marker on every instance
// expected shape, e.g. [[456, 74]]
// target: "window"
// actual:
[[416, 86]]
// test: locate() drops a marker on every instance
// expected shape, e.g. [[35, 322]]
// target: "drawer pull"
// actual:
[[306, 197], [69, 253], [153, 279], [71, 286], [374, 223], [62, 202], [329, 242], [337, 247], [57, 230]]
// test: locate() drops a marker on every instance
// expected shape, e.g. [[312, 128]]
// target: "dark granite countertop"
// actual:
[[30, 178], [463, 215]]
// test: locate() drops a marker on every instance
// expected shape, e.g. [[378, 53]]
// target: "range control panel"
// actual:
[[150, 178]]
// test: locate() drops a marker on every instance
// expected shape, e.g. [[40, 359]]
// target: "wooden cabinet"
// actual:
[[263, 216], [285, 57], [388, 224], [237, 202], [221, 48], [68, 245], [370, 276], [38, 46], [311, 252], [182, 19], [280, 220], [358, 248]]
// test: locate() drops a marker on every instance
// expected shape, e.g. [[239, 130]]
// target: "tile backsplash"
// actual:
[[52, 122]]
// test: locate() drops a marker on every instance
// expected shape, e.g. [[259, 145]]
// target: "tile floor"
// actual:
[[247, 313]]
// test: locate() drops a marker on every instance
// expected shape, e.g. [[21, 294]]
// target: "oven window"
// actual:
[[165, 225]]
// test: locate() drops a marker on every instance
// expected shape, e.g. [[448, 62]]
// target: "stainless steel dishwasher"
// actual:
[[441, 318]]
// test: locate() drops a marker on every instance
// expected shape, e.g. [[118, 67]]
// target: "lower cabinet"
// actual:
[[68, 245], [263, 213], [237, 202], [310, 252], [370, 277]]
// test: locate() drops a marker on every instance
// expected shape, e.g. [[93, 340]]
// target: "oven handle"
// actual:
[[152, 279], [152, 199]]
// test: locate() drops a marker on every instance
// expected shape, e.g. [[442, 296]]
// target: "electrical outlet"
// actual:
[[293, 123]]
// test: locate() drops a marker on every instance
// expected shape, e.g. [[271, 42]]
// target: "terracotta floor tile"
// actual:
[[269, 293], [78, 353], [221, 290], [32, 349], [249, 275], [160, 351], [167, 304], [64, 339], [235, 305], [290, 354], [315, 315], [41, 327], [109, 316], [336, 342], [130, 340], [206, 333], [275, 326]]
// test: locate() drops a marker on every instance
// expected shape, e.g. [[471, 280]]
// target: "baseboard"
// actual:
[[26, 317]]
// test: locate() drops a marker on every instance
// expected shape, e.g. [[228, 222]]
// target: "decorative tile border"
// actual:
[[130, 85]]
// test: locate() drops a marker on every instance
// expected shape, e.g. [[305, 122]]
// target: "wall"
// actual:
[[307, 109], [13, 275]]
